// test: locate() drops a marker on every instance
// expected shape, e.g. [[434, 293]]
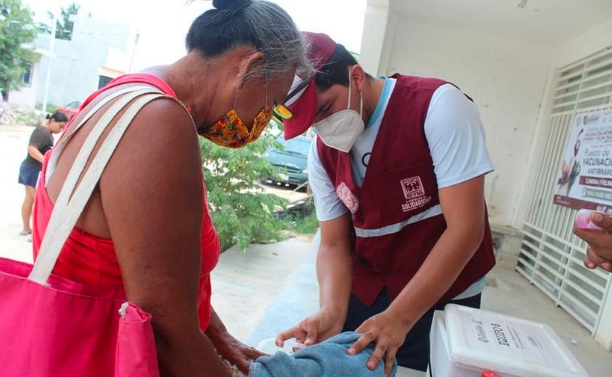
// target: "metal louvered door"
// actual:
[[551, 256]]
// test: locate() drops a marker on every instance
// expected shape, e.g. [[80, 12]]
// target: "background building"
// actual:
[[98, 52]]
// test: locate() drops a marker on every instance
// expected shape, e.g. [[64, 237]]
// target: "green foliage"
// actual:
[[17, 29], [28, 118], [51, 108], [303, 225], [241, 211], [63, 28]]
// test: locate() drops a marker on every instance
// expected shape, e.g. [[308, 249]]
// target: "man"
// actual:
[[397, 171]]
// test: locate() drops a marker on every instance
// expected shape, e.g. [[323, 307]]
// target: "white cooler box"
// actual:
[[466, 341]]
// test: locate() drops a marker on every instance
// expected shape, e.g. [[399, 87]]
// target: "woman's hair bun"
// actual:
[[227, 4]]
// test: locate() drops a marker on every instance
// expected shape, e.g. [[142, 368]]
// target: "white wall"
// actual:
[[505, 77], [75, 68], [374, 35], [26, 96], [582, 46]]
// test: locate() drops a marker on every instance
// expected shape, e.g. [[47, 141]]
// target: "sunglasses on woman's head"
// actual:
[[281, 112]]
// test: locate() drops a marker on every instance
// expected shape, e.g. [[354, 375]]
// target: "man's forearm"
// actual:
[[334, 273]]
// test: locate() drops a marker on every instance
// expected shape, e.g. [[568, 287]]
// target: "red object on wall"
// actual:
[[488, 373]]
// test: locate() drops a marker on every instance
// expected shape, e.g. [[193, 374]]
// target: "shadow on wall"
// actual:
[[506, 245]]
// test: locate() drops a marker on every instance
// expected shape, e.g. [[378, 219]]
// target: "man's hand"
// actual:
[[599, 252], [388, 331], [318, 327]]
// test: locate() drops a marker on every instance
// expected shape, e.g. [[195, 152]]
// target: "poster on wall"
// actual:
[[585, 177]]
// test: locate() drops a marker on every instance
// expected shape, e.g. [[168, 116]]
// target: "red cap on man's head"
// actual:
[[303, 104]]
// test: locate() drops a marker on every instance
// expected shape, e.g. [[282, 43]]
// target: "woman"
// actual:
[[146, 226], [41, 141]]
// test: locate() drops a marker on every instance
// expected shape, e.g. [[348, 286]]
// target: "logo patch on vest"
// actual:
[[347, 197], [414, 193]]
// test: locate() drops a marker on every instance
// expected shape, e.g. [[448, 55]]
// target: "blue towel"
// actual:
[[326, 359]]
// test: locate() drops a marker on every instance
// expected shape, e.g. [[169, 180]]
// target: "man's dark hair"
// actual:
[[335, 71]]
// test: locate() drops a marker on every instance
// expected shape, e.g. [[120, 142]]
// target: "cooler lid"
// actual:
[[507, 344]]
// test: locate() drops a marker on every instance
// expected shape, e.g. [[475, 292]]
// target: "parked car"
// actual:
[[291, 160], [70, 109]]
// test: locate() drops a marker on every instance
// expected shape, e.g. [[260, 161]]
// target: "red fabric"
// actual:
[[88, 259], [322, 47], [136, 350], [142, 78], [400, 167]]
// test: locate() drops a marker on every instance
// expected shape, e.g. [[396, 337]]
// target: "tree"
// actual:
[[64, 29], [17, 31], [241, 211]]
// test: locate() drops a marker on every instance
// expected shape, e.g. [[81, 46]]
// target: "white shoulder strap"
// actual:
[[59, 147], [68, 207]]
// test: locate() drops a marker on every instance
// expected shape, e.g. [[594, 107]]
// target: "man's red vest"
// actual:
[[396, 212]]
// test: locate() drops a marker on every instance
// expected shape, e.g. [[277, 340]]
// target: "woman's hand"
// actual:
[[236, 352], [229, 348]]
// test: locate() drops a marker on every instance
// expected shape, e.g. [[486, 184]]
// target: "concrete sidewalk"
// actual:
[[248, 286], [13, 149]]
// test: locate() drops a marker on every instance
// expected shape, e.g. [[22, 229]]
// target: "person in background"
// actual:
[[599, 238], [41, 141], [397, 171], [146, 228]]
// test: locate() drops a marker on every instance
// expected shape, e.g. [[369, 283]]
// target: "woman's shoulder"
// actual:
[[163, 111], [162, 123], [40, 130]]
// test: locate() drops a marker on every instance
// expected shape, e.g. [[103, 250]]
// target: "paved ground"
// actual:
[[13, 147], [270, 287]]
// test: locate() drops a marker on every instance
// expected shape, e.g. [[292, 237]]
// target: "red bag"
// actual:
[[53, 327]]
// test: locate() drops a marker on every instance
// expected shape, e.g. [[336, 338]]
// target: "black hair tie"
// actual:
[[235, 5]]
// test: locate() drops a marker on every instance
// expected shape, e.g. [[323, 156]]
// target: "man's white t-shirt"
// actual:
[[457, 145]]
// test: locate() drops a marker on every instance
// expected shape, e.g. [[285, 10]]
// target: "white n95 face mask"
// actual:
[[340, 130]]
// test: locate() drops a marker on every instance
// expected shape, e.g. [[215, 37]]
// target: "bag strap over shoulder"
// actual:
[[71, 201], [71, 131]]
